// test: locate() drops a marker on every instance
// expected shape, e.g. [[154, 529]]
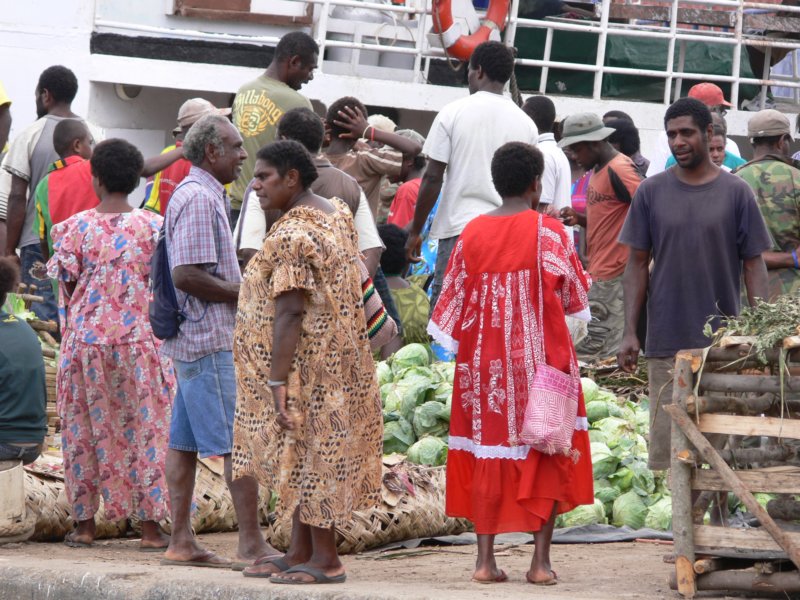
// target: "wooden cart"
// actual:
[[726, 391]]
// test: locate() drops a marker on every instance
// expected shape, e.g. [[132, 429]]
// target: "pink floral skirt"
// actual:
[[114, 403]]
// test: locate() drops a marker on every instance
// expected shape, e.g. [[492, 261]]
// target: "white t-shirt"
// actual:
[[661, 154], [556, 184], [465, 135], [253, 224]]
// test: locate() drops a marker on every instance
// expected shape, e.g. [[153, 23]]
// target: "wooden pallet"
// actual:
[[726, 392]]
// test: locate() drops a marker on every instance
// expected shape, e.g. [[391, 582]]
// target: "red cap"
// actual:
[[709, 94]]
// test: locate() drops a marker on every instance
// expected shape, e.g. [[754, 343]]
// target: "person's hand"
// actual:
[[279, 397], [628, 354], [414, 247], [569, 216], [353, 120], [14, 257], [550, 210]]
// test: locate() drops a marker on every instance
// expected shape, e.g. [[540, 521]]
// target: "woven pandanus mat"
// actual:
[[412, 507]]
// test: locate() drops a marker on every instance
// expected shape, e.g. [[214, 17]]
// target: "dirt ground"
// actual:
[[603, 571]]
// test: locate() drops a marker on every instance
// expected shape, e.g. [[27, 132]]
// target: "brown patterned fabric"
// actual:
[[330, 464]]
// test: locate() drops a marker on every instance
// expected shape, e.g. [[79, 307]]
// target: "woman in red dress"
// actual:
[[488, 314]]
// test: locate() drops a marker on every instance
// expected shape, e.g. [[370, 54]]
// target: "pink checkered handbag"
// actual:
[[552, 407]]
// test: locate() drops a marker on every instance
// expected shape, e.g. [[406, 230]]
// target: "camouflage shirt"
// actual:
[[776, 184]]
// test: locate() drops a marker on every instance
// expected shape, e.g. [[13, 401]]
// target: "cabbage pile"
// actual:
[[626, 491], [416, 396]]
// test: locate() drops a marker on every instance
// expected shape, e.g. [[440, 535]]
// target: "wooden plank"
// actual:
[[681, 480], [755, 480], [736, 425], [762, 384], [681, 419], [709, 537], [747, 581], [737, 340], [792, 342]]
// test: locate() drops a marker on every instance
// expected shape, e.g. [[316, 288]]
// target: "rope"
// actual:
[[514, 88]]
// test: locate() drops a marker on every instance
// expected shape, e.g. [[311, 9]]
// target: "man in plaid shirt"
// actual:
[[206, 275]]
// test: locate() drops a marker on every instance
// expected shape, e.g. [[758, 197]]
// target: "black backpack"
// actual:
[[164, 313]]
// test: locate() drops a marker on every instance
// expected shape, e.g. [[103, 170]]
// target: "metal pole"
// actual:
[[765, 73], [737, 55], [548, 46], [681, 67], [673, 26], [420, 41], [601, 49], [321, 33]]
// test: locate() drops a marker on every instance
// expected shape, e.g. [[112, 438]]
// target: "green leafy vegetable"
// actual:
[[430, 451]]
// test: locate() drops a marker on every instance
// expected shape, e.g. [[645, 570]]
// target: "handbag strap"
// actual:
[[540, 324]]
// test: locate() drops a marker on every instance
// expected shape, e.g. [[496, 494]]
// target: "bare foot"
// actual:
[[189, 551], [153, 538], [83, 535], [489, 575], [542, 577], [257, 549]]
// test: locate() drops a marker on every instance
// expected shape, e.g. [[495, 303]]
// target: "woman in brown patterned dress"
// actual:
[[308, 418]]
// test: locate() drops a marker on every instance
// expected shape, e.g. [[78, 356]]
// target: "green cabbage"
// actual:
[[636, 476], [606, 493], [659, 515], [384, 372], [431, 418], [629, 510], [597, 436], [603, 462], [590, 389], [430, 451], [385, 389], [443, 392], [412, 390], [596, 410], [393, 400], [412, 355], [445, 370], [397, 436], [615, 430], [587, 514]]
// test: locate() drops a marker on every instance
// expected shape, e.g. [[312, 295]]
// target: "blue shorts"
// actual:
[[202, 414]]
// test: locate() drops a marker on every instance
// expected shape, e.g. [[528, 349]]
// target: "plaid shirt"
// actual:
[[198, 233]]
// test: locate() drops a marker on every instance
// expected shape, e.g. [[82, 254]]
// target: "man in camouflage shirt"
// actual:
[[775, 179]]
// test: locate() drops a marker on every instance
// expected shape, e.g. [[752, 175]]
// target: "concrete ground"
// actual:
[[114, 569]]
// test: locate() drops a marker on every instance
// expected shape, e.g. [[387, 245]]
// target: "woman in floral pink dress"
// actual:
[[113, 390]]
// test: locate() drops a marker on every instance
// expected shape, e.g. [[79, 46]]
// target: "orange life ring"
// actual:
[[463, 47]]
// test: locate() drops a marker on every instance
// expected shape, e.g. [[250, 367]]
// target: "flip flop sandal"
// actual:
[[319, 576], [204, 560], [69, 540], [277, 561], [500, 578]]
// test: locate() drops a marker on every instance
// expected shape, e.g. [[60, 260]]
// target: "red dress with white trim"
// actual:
[[487, 314]]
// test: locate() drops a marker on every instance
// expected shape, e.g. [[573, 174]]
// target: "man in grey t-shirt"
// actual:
[[703, 229], [28, 158]]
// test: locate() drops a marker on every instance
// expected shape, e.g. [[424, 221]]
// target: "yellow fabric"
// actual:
[[4, 100]]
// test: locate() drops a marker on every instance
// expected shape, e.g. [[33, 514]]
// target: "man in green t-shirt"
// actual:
[[775, 180], [260, 103]]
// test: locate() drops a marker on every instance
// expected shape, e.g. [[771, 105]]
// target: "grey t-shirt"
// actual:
[[29, 157], [698, 236]]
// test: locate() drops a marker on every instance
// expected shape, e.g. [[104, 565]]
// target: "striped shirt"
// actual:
[[198, 233]]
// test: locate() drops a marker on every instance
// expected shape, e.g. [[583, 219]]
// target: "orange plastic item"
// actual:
[[466, 44]]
